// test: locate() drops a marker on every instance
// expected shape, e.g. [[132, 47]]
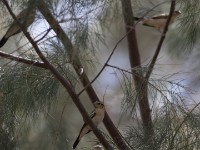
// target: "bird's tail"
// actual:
[[76, 142], [137, 18], [3, 41]]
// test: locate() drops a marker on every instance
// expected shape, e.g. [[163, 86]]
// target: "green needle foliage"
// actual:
[[27, 90], [186, 36]]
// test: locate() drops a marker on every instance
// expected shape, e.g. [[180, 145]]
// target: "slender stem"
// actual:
[[28, 50], [181, 124], [162, 38], [23, 60], [102, 69], [64, 82]]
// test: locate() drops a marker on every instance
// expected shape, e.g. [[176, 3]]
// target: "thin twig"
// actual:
[[123, 70], [179, 127], [23, 60], [151, 10], [59, 125], [119, 68], [47, 32], [25, 52], [152, 64], [102, 69]]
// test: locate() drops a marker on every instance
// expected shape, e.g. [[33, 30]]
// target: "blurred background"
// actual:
[[58, 126]]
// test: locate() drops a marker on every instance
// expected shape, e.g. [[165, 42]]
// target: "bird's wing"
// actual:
[[22, 18], [22, 14], [92, 114], [162, 16], [26, 14], [138, 18]]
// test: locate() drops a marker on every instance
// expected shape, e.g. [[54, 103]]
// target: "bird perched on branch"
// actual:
[[158, 21], [97, 117], [26, 18]]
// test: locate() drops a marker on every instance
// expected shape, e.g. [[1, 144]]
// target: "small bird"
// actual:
[[97, 117], [158, 21], [26, 17]]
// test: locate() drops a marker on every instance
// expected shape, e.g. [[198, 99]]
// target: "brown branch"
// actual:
[[113, 131], [23, 60], [152, 64], [64, 82]]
